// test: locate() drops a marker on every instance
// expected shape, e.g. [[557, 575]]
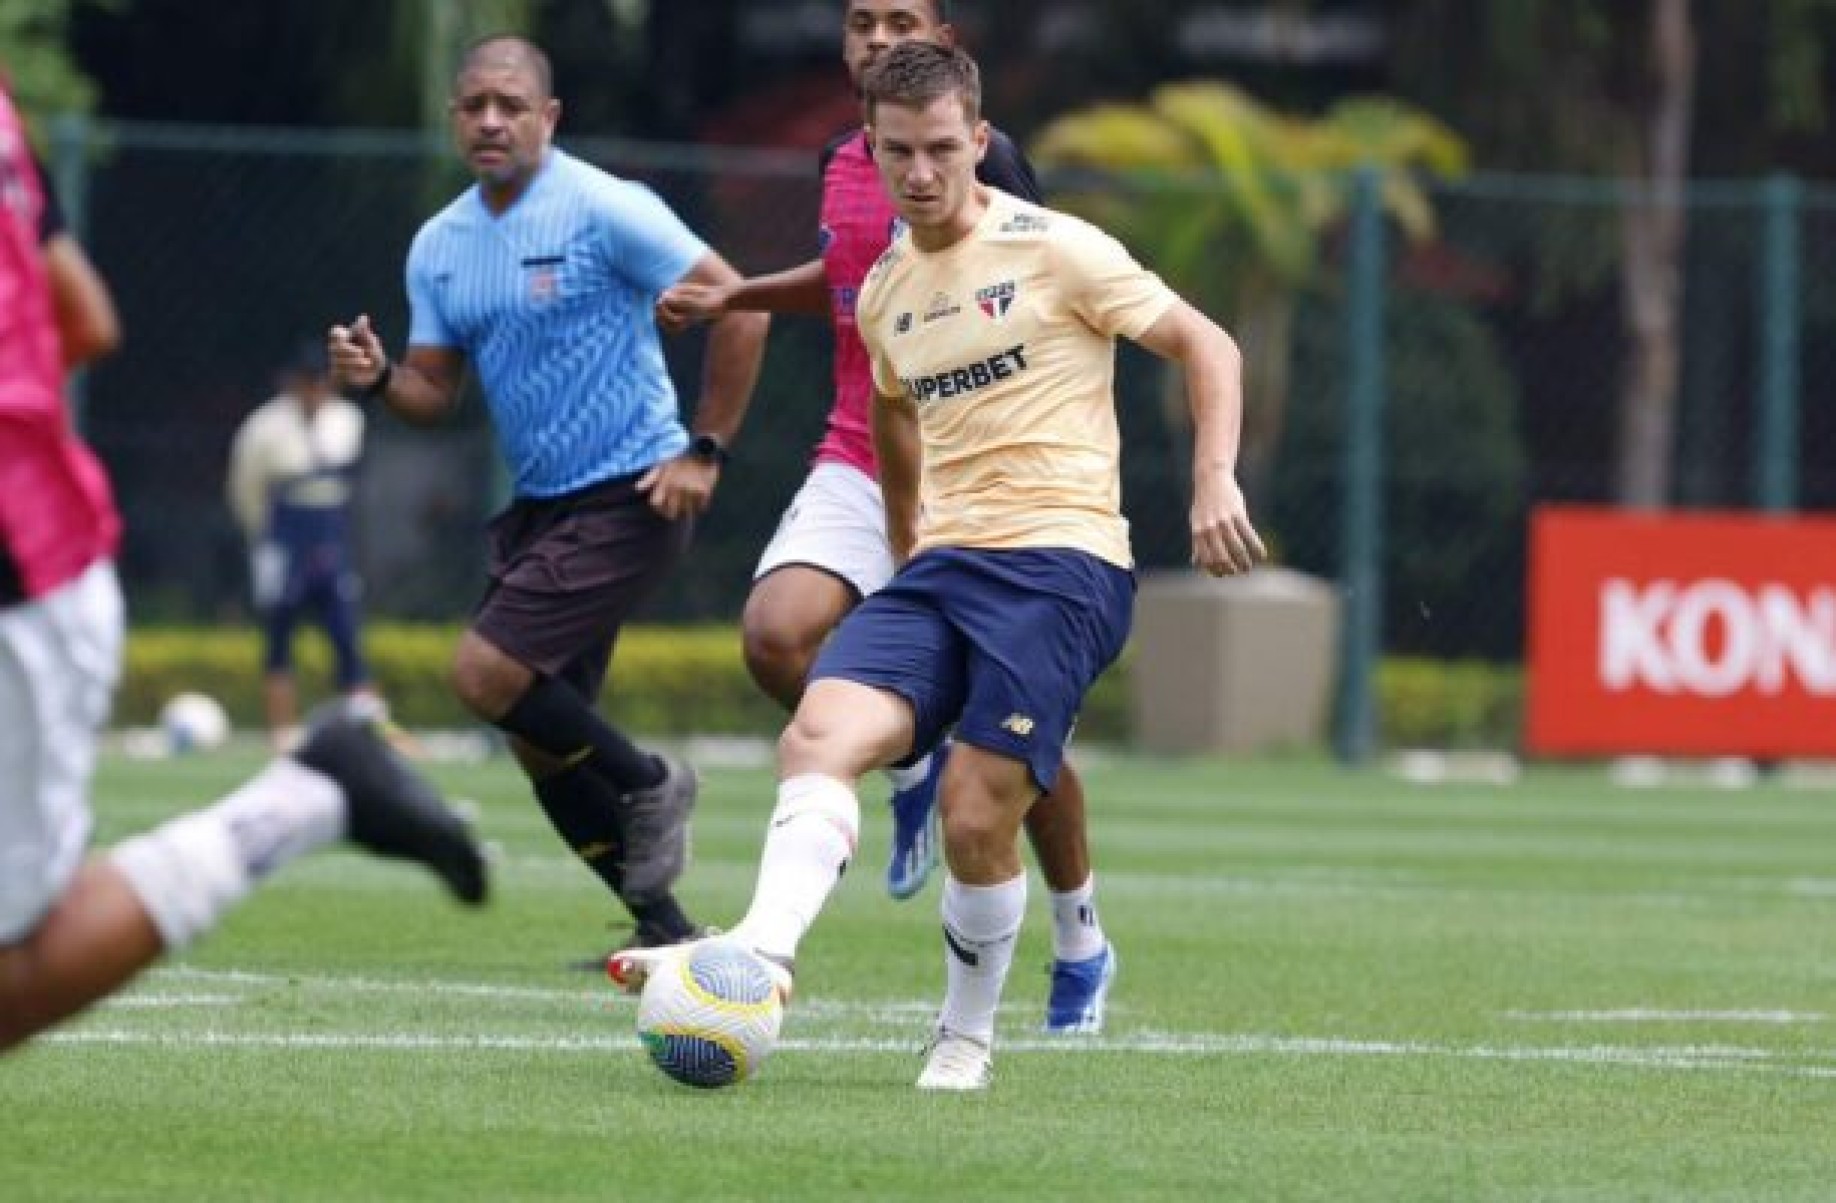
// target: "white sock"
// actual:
[[812, 835], [191, 870], [981, 926], [1077, 933], [908, 778]]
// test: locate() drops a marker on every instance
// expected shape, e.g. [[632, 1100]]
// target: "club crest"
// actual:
[[995, 300]]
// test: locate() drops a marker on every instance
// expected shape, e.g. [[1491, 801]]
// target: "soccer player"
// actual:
[[991, 324], [292, 470], [73, 930], [830, 550], [543, 277]]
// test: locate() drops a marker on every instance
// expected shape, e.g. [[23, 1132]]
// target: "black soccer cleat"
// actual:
[[392, 810], [656, 824]]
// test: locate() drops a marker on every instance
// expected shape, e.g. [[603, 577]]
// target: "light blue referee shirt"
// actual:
[[552, 302]]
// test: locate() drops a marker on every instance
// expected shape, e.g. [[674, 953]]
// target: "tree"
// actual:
[[1610, 87], [1232, 202], [1652, 232], [34, 53], [428, 36]]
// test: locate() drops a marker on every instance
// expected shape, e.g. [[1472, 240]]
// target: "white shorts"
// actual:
[[60, 657], [836, 522]]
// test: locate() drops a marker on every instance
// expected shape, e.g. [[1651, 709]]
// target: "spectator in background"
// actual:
[[292, 473], [75, 928]]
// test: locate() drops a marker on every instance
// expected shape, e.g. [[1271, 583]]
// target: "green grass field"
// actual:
[[1334, 986]]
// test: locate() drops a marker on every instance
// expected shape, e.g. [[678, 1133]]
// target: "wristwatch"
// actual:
[[710, 450]]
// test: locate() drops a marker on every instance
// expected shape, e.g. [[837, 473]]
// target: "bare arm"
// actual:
[[801, 289], [1223, 540], [87, 324], [736, 345], [422, 388], [900, 452]]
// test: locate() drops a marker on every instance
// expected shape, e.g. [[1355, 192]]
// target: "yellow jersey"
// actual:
[[1005, 342]]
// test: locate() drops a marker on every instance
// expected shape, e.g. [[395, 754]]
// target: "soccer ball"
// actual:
[[710, 1018], [193, 722]]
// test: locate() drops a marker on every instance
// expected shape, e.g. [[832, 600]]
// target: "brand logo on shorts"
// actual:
[[903, 325], [995, 300], [1018, 724]]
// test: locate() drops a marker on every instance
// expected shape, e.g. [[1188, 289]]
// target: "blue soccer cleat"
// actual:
[[915, 838], [1079, 991]]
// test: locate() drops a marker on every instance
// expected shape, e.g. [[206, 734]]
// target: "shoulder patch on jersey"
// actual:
[[884, 263]]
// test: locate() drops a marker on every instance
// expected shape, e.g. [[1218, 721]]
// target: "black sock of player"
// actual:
[[580, 805], [583, 809], [552, 717]]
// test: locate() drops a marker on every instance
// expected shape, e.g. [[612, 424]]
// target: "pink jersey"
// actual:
[[57, 514], [857, 224]]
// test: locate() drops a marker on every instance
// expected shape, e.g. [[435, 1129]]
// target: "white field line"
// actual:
[[923, 1009], [884, 1008], [1713, 1058], [158, 1001], [1654, 1015], [901, 1012]]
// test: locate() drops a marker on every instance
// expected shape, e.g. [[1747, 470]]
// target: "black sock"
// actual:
[[580, 804], [552, 717], [582, 808]]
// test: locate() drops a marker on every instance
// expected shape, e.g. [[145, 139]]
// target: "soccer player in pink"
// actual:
[[830, 549], [75, 928]]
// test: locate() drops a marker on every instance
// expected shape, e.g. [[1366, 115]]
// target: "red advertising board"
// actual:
[[1705, 634]]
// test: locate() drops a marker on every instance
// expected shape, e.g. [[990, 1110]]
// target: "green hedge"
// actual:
[[690, 680], [1449, 703]]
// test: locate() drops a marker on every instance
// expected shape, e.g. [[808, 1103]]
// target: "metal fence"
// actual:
[[1490, 370]]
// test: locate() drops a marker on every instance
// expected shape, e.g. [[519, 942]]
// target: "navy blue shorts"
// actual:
[[321, 580], [1003, 644]]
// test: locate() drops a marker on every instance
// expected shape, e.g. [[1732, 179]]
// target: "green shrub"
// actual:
[[1449, 704], [691, 680]]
